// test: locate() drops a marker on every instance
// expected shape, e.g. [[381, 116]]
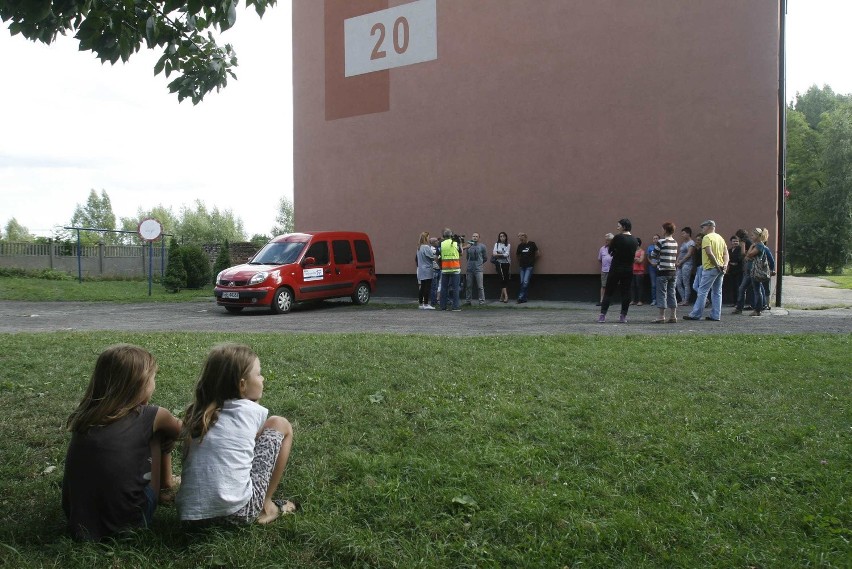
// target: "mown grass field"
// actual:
[[39, 289], [412, 451]]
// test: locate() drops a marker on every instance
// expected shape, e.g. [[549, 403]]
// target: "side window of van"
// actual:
[[362, 251], [319, 251], [342, 252]]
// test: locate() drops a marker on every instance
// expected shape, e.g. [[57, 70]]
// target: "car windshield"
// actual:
[[279, 253]]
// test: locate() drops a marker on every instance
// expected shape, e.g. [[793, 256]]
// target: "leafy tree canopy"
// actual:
[[819, 168], [116, 29], [284, 221], [197, 225], [96, 214], [815, 101], [17, 232], [163, 214]]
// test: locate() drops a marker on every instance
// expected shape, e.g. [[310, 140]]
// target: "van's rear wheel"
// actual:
[[362, 294], [282, 302]]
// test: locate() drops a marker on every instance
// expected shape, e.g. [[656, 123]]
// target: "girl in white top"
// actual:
[[234, 455], [502, 252]]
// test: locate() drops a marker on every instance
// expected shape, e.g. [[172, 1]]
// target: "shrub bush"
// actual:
[[175, 278], [197, 265], [223, 260]]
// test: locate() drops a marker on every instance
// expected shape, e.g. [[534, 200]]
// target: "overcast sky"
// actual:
[[70, 124]]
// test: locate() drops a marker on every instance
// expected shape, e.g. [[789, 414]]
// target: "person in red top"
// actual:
[[638, 285]]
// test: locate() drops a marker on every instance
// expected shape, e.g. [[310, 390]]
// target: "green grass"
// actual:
[[416, 451], [845, 281], [34, 289]]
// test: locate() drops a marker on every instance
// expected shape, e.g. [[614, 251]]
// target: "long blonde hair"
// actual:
[[762, 234], [118, 381], [424, 238], [225, 366]]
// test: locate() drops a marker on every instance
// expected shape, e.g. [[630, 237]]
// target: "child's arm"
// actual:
[[166, 427]]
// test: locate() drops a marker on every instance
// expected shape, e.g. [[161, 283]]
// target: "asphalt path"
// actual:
[[401, 316]]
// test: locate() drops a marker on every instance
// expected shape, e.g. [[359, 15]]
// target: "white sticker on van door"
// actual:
[[312, 274]]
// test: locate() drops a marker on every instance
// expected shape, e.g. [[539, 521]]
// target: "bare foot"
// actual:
[[168, 492], [273, 510]]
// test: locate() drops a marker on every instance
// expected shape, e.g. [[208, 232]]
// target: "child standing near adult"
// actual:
[[234, 454], [622, 248], [637, 288], [119, 457]]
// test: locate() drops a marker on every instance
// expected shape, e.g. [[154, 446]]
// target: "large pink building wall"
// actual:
[[553, 117]]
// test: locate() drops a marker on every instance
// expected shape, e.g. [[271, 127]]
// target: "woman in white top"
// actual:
[[502, 251]]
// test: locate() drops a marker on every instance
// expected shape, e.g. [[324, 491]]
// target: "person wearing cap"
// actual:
[[714, 257]]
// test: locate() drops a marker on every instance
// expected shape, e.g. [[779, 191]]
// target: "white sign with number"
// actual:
[[395, 37]]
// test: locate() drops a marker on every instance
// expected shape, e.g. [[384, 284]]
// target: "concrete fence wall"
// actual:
[[129, 261], [94, 260]]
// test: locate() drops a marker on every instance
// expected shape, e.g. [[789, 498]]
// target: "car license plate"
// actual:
[[230, 295]]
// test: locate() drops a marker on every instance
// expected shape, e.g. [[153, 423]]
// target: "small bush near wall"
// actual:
[[197, 265], [175, 278], [223, 260]]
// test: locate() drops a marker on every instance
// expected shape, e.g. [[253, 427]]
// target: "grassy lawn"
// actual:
[[32, 289], [845, 281], [418, 451]]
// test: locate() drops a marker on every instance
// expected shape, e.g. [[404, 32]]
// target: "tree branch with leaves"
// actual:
[[116, 29]]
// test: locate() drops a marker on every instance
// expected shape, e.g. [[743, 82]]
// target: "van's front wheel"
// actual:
[[362, 294], [282, 302]]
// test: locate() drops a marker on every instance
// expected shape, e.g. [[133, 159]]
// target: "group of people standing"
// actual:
[[439, 268], [697, 264]]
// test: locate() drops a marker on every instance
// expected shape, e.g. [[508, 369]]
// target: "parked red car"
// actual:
[[301, 266]]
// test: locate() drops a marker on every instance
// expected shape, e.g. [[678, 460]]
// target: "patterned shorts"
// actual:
[[266, 451]]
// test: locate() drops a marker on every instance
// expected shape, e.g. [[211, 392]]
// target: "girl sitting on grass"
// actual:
[[119, 457], [234, 456]]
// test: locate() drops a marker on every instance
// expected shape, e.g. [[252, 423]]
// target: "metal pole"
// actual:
[[79, 260], [782, 155], [150, 265]]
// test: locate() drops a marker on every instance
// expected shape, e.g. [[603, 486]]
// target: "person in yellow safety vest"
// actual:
[[450, 269]]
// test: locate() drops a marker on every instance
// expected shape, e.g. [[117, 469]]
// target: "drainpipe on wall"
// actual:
[[782, 152]]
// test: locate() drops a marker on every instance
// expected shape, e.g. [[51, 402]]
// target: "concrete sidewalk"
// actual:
[[400, 316], [802, 293]]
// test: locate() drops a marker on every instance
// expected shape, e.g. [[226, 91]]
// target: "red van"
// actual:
[[301, 266]]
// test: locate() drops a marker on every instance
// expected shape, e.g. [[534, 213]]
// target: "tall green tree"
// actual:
[[815, 102], [96, 214], [804, 151], [284, 220], [167, 218], [819, 168], [113, 30], [836, 194], [198, 225], [15, 232]]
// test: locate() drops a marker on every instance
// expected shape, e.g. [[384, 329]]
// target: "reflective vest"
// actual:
[[450, 257]]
